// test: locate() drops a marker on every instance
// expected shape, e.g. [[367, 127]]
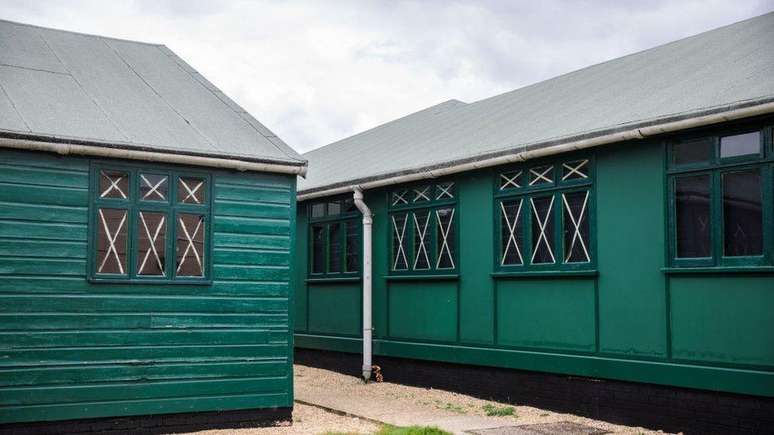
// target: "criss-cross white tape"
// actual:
[[421, 230], [542, 222], [111, 239], [399, 198], [575, 169], [445, 191], [540, 176], [190, 246], [152, 241], [113, 186], [191, 191], [576, 222], [153, 188], [513, 181], [511, 226], [444, 239], [422, 195], [400, 251]]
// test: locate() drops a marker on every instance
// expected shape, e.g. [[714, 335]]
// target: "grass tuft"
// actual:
[[498, 411]]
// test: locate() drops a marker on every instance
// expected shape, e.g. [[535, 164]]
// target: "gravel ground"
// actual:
[[306, 420], [440, 402]]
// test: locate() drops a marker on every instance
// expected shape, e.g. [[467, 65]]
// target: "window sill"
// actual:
[[102, 281], [714, 269], [544, 273], [447, 277], [333, 279]]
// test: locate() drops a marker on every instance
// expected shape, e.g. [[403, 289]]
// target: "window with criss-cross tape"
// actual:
[[149, 225], [423, 229], [544, 216]]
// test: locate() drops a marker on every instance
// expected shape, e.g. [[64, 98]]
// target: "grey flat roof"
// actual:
[[724, 68], [71, 87]]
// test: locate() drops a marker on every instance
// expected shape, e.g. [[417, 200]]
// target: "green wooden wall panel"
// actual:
[[630, 219], [334, 309], [548, 314], [74, 349], [377, 202], [423, 310], [301, 267], [476, 289], [724, 319]]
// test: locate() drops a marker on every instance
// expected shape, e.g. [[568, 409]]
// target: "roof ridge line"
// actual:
[[92, 35]]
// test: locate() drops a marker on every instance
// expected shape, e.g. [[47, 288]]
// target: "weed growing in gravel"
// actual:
[[498, 411], [453, 408], [411, 430]]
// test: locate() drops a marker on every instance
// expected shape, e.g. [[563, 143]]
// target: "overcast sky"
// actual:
[[318, 71]]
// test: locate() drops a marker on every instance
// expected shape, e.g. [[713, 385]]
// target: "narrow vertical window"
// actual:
[[421, 240], [334, 247], [742, 213], [111, 241], [318, 248], [353, 246], [693, 236], [399, 258], [151, 259], [445, 238], [542, 230], [511, 233], [576, 227], [189, 245]]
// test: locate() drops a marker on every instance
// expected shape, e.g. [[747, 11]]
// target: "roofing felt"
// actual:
[[74, 87], [705, 73]]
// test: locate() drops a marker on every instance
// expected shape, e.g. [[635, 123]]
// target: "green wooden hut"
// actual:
[[146, 237], [615, 222]]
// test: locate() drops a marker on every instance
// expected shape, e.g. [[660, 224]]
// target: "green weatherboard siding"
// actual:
[[628, 317], [74, 349]]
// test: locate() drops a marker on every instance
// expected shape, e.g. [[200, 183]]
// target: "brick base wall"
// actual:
[[156, 424], [651, 406]]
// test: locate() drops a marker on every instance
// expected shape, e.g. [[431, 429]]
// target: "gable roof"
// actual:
[[76, 88], [710, 73]]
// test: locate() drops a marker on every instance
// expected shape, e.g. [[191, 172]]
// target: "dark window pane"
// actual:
[[189, 245], [577, 170], [422, 193], [692, 151], [541, 175], [190, 190], [511, 232], [153, 187], [334, 208], [111, 240], [151, 237], [334, 247], [444, 190], [400, 197], [318, 210], [510, 180], [399, 242], [576, 227], [740, 145], [543, 230], [113, 184], [318, 248], [349, 206], [445, 238], [742, 213], [421, 240], [353, 246], [692, 209]]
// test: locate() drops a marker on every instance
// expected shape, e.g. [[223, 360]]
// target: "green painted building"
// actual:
[[615, 222], [146, 237]]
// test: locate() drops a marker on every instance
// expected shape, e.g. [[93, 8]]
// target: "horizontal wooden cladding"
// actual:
[[257, 226], [20, 230], [69, 286], [92, 409], [32, 248], [47, 266], [104, 303], [21, 211], [49, 195], [87, 321], [128, 337], [241, 240], [260, 194], [142, 355], [241, 272], [58, 375]]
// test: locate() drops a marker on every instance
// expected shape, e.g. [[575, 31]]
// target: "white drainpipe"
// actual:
[[367, 327]]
